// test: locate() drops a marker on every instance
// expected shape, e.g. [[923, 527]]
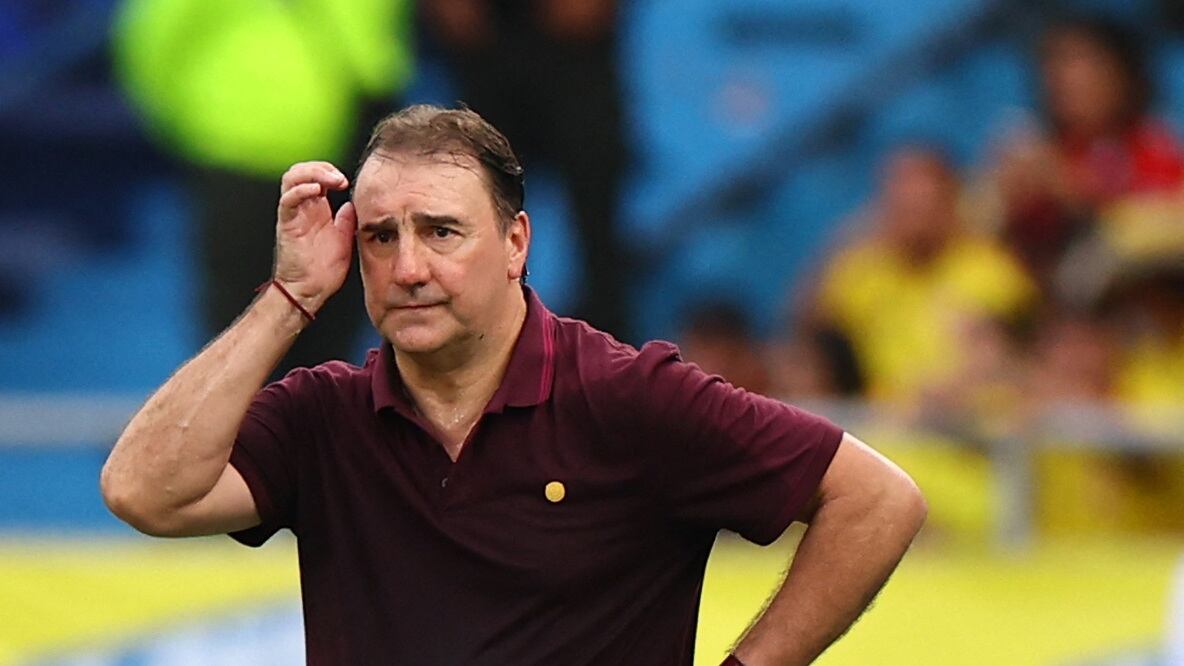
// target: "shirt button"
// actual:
[[444, 482]]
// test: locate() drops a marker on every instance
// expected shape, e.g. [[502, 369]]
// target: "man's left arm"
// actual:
[[865, 515]]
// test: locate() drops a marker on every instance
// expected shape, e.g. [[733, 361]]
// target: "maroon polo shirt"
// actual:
[[574, 528]]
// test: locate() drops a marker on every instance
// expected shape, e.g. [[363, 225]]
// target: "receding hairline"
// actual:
[[458, 158], [456, 155]]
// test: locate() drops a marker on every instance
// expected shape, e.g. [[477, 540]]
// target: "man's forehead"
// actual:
[[447, 165], [450, 180]]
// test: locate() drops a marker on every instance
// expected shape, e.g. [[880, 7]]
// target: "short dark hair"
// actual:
[[425, 129]]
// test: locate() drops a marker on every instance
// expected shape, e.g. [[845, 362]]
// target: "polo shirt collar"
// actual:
[[527, 381]]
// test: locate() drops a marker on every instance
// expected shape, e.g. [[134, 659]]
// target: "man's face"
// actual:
[[919, 201], [436, 269], [1086, 86]]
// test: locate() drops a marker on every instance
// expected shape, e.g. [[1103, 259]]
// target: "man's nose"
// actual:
[[411, 266]]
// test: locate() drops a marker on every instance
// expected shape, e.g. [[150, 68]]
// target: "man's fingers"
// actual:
[[323, 173], [299, 194], [346, 221]]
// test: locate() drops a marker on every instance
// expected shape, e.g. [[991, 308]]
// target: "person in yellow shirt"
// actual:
[[1143, 239], [1120, 361], [925, 304], [911, 292], [1149, 383]]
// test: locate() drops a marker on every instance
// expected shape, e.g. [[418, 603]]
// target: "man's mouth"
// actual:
[[416, 306]]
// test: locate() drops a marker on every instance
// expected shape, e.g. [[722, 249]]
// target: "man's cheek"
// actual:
[[373, 277]]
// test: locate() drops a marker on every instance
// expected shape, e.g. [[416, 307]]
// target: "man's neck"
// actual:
[[465, 376]]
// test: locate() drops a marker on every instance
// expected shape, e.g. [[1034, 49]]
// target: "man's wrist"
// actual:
[[304, 306], [274, 306]]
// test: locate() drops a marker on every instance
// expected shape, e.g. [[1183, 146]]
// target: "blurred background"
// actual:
[[956, 227]]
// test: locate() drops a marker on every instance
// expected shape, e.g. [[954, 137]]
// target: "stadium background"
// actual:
[[757, 128]]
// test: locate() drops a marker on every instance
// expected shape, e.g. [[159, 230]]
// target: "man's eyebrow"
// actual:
[[435, 220], [385, 224], [391, 223]]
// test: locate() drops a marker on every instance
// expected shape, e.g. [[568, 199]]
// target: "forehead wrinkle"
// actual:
[[415, 206], [452, 182]]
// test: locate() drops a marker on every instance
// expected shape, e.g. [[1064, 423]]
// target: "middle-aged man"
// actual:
[[495, 485]]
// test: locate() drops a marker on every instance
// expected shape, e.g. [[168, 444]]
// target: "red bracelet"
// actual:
[[287, 294]]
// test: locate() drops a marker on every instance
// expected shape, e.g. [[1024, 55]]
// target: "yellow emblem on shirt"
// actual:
[[555, 492]]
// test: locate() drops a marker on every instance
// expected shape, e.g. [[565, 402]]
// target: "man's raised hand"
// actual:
[[312, 252]]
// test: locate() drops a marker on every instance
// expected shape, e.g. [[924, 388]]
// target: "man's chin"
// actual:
[[415, 339], [415, 344]]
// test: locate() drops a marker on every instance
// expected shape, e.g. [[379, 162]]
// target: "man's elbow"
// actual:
[[907, 504], [149, 522], [132, 508], [874, 491]]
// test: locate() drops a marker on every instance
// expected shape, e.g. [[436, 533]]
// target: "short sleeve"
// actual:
[[725, 458], [267, 450]]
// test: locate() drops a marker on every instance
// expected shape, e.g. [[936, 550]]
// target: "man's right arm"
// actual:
[[169, 473]]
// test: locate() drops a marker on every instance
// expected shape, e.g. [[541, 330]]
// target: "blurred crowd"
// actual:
[[1038, 287], [1036, 295]]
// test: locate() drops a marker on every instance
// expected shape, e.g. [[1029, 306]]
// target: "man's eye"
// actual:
[[442, 232], [383, 236]]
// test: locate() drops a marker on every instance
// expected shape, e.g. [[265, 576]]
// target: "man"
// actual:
[[496, 485]]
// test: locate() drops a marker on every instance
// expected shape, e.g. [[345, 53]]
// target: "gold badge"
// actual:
[[555, 492]]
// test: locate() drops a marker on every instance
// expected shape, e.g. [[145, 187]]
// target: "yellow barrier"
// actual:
[[949, 604]]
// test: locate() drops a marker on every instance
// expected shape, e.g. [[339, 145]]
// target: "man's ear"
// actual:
[[518, 245]]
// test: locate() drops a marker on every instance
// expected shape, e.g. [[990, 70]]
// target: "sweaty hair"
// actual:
[[429, 130]]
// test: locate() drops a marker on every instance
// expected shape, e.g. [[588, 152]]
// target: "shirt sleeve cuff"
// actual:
[[254, 536], [802, 493]]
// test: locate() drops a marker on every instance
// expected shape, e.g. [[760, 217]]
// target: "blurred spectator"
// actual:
[[906, 294], [718, 338], [1074, 360], [544, 71], [242, 90], [929, 308], [1072, 367], [1130, 353], [1148, 311], [1099, 143], [1131, 270], [815, 363]]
